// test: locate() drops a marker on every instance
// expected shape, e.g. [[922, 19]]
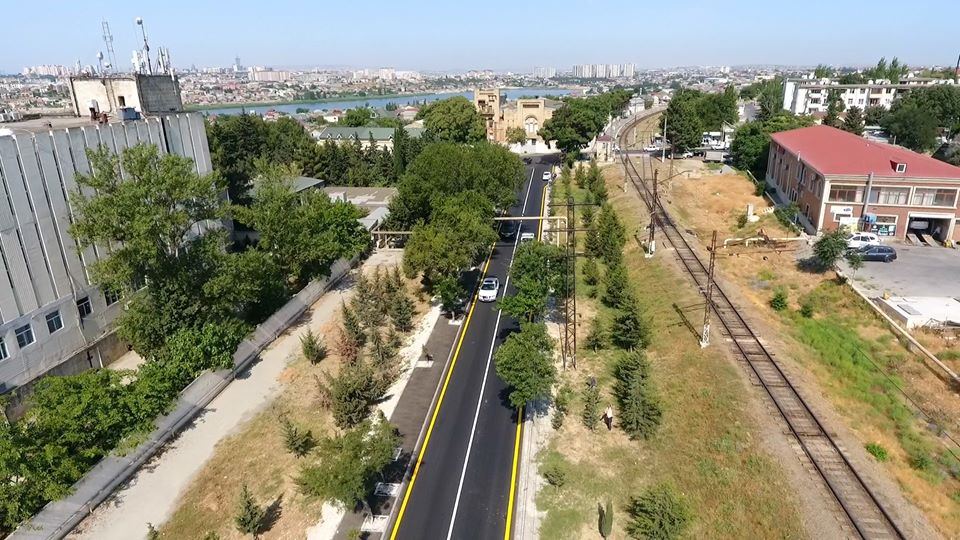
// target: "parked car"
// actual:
[[489, 288], [878, 253], [651, 148], [508, 230], [547, 176], [859, 239], [527, 237]]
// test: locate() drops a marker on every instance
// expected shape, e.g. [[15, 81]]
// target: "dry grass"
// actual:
[[256, 455], [842, 345], [707, 445]]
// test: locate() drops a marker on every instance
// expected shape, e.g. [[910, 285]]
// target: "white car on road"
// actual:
[[547, 176], [527, 237], [860, 239], [651, 148], [489, 288]]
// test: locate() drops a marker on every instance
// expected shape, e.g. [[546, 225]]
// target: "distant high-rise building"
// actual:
[[46, 70], [544, 72], [237, 66], [260, 74], [603, 71]]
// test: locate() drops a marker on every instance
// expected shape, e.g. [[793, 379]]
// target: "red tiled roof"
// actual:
[[834, 151]]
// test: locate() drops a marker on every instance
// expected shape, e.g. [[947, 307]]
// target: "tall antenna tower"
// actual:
[[146, 46], [108, 41]]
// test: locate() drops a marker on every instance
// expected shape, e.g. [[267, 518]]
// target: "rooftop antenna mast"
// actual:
[[146, 46], [108, 41]]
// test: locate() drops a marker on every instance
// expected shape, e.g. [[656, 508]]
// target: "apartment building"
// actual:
[[53, 320], [811, 96], [841, 180]]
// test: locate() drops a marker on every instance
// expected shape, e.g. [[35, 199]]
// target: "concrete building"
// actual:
[[269, 75], [145, 94], [841, 180], [604, 71], [53, 320], [544, 72], [810, 96], [382, 137], [500, 115]]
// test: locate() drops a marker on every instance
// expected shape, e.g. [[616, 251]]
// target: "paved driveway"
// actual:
[[918, 271]]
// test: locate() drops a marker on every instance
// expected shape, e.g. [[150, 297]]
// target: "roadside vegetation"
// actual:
[[900, 411], [681, 456], [579, 120]]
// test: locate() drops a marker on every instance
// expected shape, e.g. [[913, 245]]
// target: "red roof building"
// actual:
[[841, 180]]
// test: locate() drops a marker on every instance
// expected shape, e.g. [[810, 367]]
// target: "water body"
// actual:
[[375, 102]]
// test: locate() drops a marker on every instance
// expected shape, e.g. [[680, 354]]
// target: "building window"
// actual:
[[889, 195], [531, 126], [935, 197], [54, 322], [111, 296], [885, 226], [83, 307], [846, 194], [24, 335], [3, 349]]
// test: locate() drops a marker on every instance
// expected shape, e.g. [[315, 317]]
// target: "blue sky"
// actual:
[[452, 34]]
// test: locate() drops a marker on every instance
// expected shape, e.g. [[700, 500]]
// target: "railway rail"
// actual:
[[860, 505]]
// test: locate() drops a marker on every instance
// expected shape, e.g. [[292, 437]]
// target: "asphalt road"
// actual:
[[462, 487]]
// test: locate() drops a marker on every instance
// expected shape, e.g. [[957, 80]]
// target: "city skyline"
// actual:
[[428, 36]]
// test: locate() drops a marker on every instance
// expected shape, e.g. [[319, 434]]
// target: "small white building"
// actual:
[[809, 95]]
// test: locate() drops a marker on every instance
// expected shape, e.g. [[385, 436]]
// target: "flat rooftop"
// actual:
[[46, 123], [369, 198]]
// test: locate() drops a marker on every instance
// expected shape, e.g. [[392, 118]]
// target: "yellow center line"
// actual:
[[513, 475], [436, 410], [543, 206]]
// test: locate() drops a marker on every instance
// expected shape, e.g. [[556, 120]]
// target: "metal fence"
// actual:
[[58, 518]]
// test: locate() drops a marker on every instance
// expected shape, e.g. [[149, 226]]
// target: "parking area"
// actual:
[[918, 271]]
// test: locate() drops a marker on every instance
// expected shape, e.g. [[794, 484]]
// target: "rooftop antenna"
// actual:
[[108, 41], [100, 61], [146, 46]]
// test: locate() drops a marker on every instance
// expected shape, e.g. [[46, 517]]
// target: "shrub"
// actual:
[[351, 393], [829, 248], [877, 451], [806, 309], [298, 442], [742, 221], [779, 300], [605, 519], [597, 336], [631, 330], [249, 516], [554, 473], [787, 215], [658, 513], [152, 532], [591, 404], [313, 349]]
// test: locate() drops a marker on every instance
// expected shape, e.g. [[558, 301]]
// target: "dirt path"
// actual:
[[153, 493]]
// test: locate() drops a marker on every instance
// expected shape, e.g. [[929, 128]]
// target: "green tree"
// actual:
[[853, 122], [580, 177], [617, 290], [873, 115], [597, 335], [536, 271], [631, 330], [349, 464], [591, 404], [357, 117], [352, 392], [591, 272], [684, 127], [829, 249], [313, 349], [525, 363], [454, 120], [612, 235], [822, 71], [605, 519], [659, 513], [637, 403], [912, 126], [249, 515], [855, 260], [516, 135], [752, 140], [779, 300], [834, 108]]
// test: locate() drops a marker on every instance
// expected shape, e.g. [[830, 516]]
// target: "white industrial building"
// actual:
[[810, 96], [53, 320]]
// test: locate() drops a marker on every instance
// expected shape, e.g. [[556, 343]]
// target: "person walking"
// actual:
[[608, 417]]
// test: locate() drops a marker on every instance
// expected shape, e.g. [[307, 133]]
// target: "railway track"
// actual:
[[865, 513]]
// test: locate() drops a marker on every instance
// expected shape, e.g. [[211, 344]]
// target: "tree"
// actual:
[[853, 122], [822, 71], [597, 336], [591, 404], [357, 117], [855, 260], [605, 519], [249, 515], [402, 311], [304, 232], [352, 392], [516, 135], [525, 363], [349, 464], [454, 120], [612, 235], [873, 115], [684, 127], [536, 271], [352, 325], [591, 272], [313, 349], [752, 140], [630, 329], [616, 286], [779, 300], [580, 177], [659, 513], [595, 182], [912, 126], [579, 120], [298, 441], [829, 249], [834, 108], [637, 403]]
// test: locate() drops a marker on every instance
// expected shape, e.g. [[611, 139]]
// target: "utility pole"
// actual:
[[652, 242], [570, 285], [708, 295]]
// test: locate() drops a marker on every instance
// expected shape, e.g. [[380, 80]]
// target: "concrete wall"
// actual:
[[148, 94], [42, 269]]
